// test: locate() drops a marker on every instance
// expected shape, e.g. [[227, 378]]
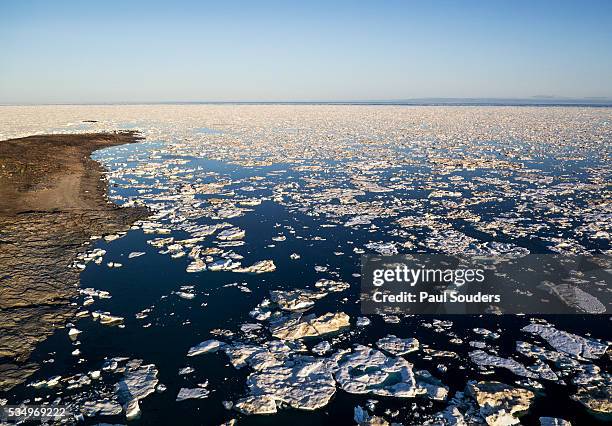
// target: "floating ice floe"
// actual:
[[298, 327], [192, 393], [571, 344], [96, 255], [553, 421], [362, 322], [486, 333], [206, 346], [385, 249], [101, 294], [73, 333], [104, 407], [186, 292], [256, 405], [258, 267], [197, 265], [106, 318], [49, 383], [295, 300], [499, 403], [596, 396], [367, 371], [186, 370], [363, 418], [138, 382], [135, 254], [231, 234], [331, 285], [222, 265], [304, 383], [396, 346], [483, 359], [575, 297]]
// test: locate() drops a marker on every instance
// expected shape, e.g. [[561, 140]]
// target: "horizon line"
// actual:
[[431, 101]]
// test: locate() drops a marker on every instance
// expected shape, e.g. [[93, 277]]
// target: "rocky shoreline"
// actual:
[[52, 201]]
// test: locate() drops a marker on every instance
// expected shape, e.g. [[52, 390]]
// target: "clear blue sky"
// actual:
[[107, 50]]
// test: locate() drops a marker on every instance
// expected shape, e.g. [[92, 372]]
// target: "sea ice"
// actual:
[[206, 346], [192, 393], [571, 344], [298, 327], [138, 382], [396, 346]]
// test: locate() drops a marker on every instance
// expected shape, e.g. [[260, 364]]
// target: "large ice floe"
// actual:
[[499, 403], [139, 382], [368, 371], [295, 327], [287, 378], [568, 343]]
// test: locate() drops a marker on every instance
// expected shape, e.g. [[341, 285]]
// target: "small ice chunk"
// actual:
[[363, 322], [206, 346], [396, 346], [256, 405], [553, 421], [186, 370], [192, 393]]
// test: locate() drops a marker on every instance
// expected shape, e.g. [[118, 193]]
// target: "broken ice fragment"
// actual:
[[231, 234], [256, 405], [106, 318], [186, 370], [482, 358], [396, 346], [194, 393], [571, 344], [295, 300], [138, 382], [368, 371], [101, 408], [309, 326], [185, 294], [362, 322], [553, 421], [363, 418], [206, 346], [301, 382], [499, 402], [73, 333], [197, 265], [331, 285], [434, 388], [258, 267]]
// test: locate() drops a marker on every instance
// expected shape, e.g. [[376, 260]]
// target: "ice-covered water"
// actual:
[[252, 206]]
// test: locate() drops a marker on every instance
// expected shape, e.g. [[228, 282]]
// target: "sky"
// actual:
[[152, 51]]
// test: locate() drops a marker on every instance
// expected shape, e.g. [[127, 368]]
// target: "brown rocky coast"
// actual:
[[52, 200]]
